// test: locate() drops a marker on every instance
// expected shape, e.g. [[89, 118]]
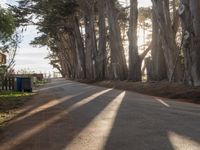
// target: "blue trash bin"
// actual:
[[23, 84], [27, 84], [19, 84]]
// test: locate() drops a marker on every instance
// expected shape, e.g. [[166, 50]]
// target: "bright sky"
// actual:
[[28, 57], [144, 3], [33, 58], [141, 3]]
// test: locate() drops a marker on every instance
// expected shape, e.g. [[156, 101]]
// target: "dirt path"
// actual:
[[66, 115]]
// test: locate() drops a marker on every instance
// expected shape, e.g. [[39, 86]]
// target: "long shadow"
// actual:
[[39, 95], [140, 124], [146, 125], [36, 119], [53, 93], [58, 134]]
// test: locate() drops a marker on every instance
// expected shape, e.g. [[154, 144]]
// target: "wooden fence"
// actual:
[[7, 83]]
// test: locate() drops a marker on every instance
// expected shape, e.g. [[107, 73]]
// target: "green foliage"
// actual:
[[40, 41], [9, 38], [7, 25], [50, 16]]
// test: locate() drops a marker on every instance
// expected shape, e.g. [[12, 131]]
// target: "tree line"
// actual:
[[88, 39], [9, 39]]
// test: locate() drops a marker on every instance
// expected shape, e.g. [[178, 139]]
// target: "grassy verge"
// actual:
[[164, 89], [40, 83], [9, 101]]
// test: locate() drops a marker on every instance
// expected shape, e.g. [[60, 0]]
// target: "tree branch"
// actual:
[[142, 56]]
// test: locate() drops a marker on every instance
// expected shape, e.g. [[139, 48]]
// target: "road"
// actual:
[[67, 115]]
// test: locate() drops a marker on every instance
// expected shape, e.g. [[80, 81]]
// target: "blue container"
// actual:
[[27, 84], [23, 84], [19, 84]]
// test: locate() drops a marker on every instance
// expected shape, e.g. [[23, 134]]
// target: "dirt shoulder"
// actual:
[[174, 91]]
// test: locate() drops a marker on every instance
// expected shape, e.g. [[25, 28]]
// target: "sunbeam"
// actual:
[[180, 142], [42, 125], [98, 130]]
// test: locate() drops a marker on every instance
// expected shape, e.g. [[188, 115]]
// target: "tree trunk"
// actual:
[[170, 48], [70, 51], [62, 66], [90, 43], [79, 48], [134, 59], [118, 61], [189, 12], [62, 56], [101, 57], [158, 71]]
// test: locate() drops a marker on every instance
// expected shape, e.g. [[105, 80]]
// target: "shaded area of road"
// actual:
[[74, 116]]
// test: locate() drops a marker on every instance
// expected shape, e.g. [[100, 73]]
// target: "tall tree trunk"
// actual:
[[90, 43], [134, 59], [170, 48], [79, 48], [118, 61], [67, 47], [62, 64], [70, 51], [62, 56], [101, 56], [158, 70], [189, 12]]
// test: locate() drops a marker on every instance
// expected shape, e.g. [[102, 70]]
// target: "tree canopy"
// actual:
[[98, 40], [7, 25]]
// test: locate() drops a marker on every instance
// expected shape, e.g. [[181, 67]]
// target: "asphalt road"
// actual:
[[66, 115]]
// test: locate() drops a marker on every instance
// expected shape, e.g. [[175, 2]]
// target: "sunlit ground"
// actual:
[[42, 125], [181, 142], [99, 128]]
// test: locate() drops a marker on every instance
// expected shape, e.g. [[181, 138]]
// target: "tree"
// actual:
[[168, 39], [158, 66], [118, 61], [87, 38], [7, 25], [189, 12], [134, 59], [9, 38], [101, 54]]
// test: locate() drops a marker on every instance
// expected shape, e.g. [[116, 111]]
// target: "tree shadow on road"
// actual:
[[141, 122], [55, 123], [150, 125]]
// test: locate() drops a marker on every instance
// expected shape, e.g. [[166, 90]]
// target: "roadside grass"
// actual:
[[175, 91], [40, 83], [10, 101]]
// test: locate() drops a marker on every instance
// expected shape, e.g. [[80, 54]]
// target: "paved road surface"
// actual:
[[66, 115]]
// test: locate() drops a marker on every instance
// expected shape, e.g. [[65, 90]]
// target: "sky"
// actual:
[[31, 58], [141, 3], [144, 3], [28, 57]]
